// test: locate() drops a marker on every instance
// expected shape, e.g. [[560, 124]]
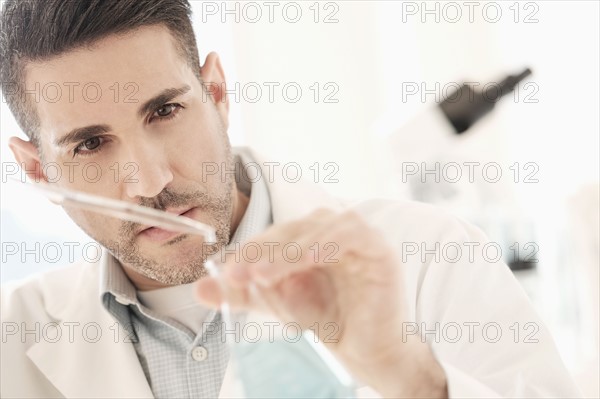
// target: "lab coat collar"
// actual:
[[291, 200]]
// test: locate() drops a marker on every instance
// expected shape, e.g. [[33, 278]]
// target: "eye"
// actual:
[[167, 111], [89, 146]]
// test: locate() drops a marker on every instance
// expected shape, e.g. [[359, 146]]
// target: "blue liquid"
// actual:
[[282, 369]]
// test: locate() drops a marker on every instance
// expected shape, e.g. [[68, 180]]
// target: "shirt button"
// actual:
[[199, 353]]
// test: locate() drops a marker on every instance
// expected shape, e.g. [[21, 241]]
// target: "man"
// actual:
[[166, 117]]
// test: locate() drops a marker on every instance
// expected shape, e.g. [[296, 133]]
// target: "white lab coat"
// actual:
[[92, 358]]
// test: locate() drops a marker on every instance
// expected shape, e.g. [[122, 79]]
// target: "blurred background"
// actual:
[[353, 90]]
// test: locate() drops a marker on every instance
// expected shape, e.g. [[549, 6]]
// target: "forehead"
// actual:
[[119, 72]]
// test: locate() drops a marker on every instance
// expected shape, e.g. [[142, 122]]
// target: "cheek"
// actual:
[[97, 226], [200, 151], [93, 177]]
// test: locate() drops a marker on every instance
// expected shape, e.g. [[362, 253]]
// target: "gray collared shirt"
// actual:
[[177, 362]]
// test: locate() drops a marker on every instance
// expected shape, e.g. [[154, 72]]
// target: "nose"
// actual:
[[147, 171]]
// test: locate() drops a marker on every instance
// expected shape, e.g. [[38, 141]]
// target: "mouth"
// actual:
[[157, 234]]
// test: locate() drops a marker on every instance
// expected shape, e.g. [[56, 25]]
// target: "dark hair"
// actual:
[[36, 30]]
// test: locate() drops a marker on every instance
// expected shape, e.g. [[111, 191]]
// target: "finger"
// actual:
[[293, 231], [234, 265], [354, 235], [215, 291], [208, 292], [346, 235], [291, 236]]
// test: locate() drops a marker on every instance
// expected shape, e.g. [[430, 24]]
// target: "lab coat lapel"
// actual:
[[93, 360], [292, 200]]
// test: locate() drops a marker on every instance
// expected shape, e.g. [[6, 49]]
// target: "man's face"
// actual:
[[152, 154]]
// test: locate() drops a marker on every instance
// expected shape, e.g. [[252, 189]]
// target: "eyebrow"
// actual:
[[80, 134], [161, 99]]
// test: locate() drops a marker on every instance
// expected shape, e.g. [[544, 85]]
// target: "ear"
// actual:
[[214, 80], [28, 157]]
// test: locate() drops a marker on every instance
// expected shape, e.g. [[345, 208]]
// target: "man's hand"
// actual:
[[348, 277]]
